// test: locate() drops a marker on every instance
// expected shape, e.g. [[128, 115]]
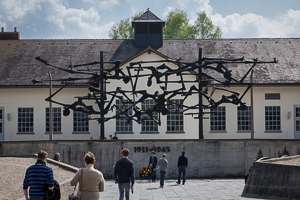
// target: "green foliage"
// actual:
[[205, 28], [176, 27], [123, 29]]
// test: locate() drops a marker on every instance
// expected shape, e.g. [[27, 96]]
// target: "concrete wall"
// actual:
[[207, 158], [270, 180]]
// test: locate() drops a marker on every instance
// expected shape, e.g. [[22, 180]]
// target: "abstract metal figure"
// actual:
[[161, 74]]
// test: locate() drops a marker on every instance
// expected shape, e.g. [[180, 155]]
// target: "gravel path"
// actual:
[[12, 173]]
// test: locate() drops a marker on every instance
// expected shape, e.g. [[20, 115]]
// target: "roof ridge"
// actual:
[[147, 16]]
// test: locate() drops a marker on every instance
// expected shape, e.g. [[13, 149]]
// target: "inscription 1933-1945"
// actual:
[[156, 149]]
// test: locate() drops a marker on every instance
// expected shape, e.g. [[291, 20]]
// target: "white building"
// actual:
[[23, 109]]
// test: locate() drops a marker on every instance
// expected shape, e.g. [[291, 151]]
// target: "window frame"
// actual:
[[219, 112], [177, 118], [148, 125], [56, 120], [26, 121], [83, 126], [121, 122], [272, 118], [243, 122]]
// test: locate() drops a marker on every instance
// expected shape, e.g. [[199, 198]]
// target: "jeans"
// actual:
[[162, 178], [153, 174], [183, 170], [36, 197], [122, 187]]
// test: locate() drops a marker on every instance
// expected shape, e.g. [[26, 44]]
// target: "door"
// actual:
[[297, 121], [1, 124]]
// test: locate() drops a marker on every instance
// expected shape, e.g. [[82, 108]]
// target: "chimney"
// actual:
[[9, 35]]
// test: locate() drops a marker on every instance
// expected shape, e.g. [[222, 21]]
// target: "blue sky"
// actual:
[[92, 19]]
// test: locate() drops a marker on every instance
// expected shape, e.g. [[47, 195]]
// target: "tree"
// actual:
[[205, 28], [177, 27], [123, 29]]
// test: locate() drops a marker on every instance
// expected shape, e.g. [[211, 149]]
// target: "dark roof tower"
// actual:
[[148, 30]]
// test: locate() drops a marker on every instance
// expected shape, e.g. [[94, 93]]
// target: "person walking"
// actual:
[[153, 165], [162, 164], [37, 176], [124, 174], [115, 137], [92, 180], [181, 167]]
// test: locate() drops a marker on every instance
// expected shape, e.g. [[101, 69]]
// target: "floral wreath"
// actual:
[[145, 172]]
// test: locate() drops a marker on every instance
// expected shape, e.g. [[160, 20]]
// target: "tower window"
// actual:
[[141, 29], [155, 28]]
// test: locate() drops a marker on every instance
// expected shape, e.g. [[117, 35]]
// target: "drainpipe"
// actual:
[[50, 110]]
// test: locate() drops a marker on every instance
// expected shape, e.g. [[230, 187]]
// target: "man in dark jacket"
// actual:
[[181, 167], [124, 173], [153, 165]]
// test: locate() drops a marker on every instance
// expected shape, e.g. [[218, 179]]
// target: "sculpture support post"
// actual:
[[252, 109], [101, 97], [200, 96], [50, 110]]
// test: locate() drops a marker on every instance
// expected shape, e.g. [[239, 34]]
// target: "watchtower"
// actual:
[[148, 30]]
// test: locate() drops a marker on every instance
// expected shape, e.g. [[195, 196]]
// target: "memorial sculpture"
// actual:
[[91, 75]]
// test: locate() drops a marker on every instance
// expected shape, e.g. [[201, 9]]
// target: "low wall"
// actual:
[[207, 158], [268, 179]]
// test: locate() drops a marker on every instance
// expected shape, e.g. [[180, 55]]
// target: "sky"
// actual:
[[92, 19]]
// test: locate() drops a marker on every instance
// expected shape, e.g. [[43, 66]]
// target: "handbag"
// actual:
[[73, 196]]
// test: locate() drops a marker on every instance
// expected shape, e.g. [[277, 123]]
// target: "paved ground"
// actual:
[[212, 189]]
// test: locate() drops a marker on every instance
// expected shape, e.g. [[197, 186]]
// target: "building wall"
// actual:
[[289, 97], [13, 98]]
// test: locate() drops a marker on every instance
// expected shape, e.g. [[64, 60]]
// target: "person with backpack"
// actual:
[[52, 194], [36, 176]]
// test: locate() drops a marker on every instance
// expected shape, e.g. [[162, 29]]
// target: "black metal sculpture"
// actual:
[[105, 99]]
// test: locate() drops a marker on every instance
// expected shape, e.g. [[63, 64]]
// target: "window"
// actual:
[[272, 96], [121, 120], [56, 120], [80, 121], [149, 125], [244, 119], [155, 28], [217, 119], [141, 28], [175, 120], [1, 123], [25, 120], [272, 118]]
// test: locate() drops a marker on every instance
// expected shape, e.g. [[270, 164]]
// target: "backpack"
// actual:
[[52, 194]]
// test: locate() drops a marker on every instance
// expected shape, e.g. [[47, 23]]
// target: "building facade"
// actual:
[[24, 113]]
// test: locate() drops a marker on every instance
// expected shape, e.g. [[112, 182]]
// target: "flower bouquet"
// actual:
[[145, 172]]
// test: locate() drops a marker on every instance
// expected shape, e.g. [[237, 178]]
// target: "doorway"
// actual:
[[1, 124], [297, 122]]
